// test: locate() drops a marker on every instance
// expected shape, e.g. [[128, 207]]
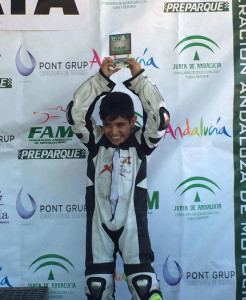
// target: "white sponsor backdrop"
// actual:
[[42, 212]]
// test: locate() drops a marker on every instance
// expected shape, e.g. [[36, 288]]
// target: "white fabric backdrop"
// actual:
[[42, 212]]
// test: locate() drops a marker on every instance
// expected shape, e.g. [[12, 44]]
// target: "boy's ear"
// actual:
[[133, 121]]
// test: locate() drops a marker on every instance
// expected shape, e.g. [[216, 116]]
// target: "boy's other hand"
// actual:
[[108, 67], [133, 65]]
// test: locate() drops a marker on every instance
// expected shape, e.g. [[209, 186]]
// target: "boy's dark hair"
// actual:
[[116, 104]]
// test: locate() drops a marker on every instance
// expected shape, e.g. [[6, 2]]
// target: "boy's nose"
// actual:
[[114, 130]]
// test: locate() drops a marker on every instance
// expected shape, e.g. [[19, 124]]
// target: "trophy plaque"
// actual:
[[120, 47]]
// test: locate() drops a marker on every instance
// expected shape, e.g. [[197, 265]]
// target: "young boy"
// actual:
[[116, 192]]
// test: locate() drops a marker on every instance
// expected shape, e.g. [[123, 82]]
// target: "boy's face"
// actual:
[[118, 131]]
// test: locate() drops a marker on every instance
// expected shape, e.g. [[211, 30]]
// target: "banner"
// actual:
[[44, 15], [195, 54], [239, 145]]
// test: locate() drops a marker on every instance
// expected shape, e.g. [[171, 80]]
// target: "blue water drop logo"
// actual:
[[25, 214], [171, 280], [23, 70]]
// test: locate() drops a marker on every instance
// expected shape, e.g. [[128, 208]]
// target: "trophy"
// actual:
[[120, 48]]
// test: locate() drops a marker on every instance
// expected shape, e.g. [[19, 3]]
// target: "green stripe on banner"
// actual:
[[239, 144]]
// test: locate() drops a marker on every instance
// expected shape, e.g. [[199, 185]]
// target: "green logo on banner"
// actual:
[[197, 210], [51, 153], [239, 149], [196, 183], [196, 7], [5, 83], [50, 135], [53, 260], [196, 41], [153, 202], [197, 68]]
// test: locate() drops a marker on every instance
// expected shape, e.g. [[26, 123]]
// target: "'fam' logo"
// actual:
[[22, 69], [196, 41], [53, 260]]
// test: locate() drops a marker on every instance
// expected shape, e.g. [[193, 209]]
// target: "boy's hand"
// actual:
[[133, 65], [108, 67]]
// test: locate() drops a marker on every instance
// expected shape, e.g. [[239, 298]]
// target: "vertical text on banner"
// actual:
[[239, 122]]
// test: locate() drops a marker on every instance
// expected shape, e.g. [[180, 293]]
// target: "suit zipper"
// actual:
[[113, 212]]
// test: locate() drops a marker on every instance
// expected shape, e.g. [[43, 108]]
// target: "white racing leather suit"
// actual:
[[127, 230]]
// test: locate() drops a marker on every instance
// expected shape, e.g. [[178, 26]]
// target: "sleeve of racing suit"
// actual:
[[79, 111], [155, 115]]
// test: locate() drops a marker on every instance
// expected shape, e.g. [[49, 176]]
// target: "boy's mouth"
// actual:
[[116, 140]]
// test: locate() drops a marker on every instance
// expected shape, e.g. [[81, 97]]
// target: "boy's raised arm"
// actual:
[[79, 111], [155, 115]]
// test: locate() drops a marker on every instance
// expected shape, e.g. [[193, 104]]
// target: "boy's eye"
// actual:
[[119, 125]]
